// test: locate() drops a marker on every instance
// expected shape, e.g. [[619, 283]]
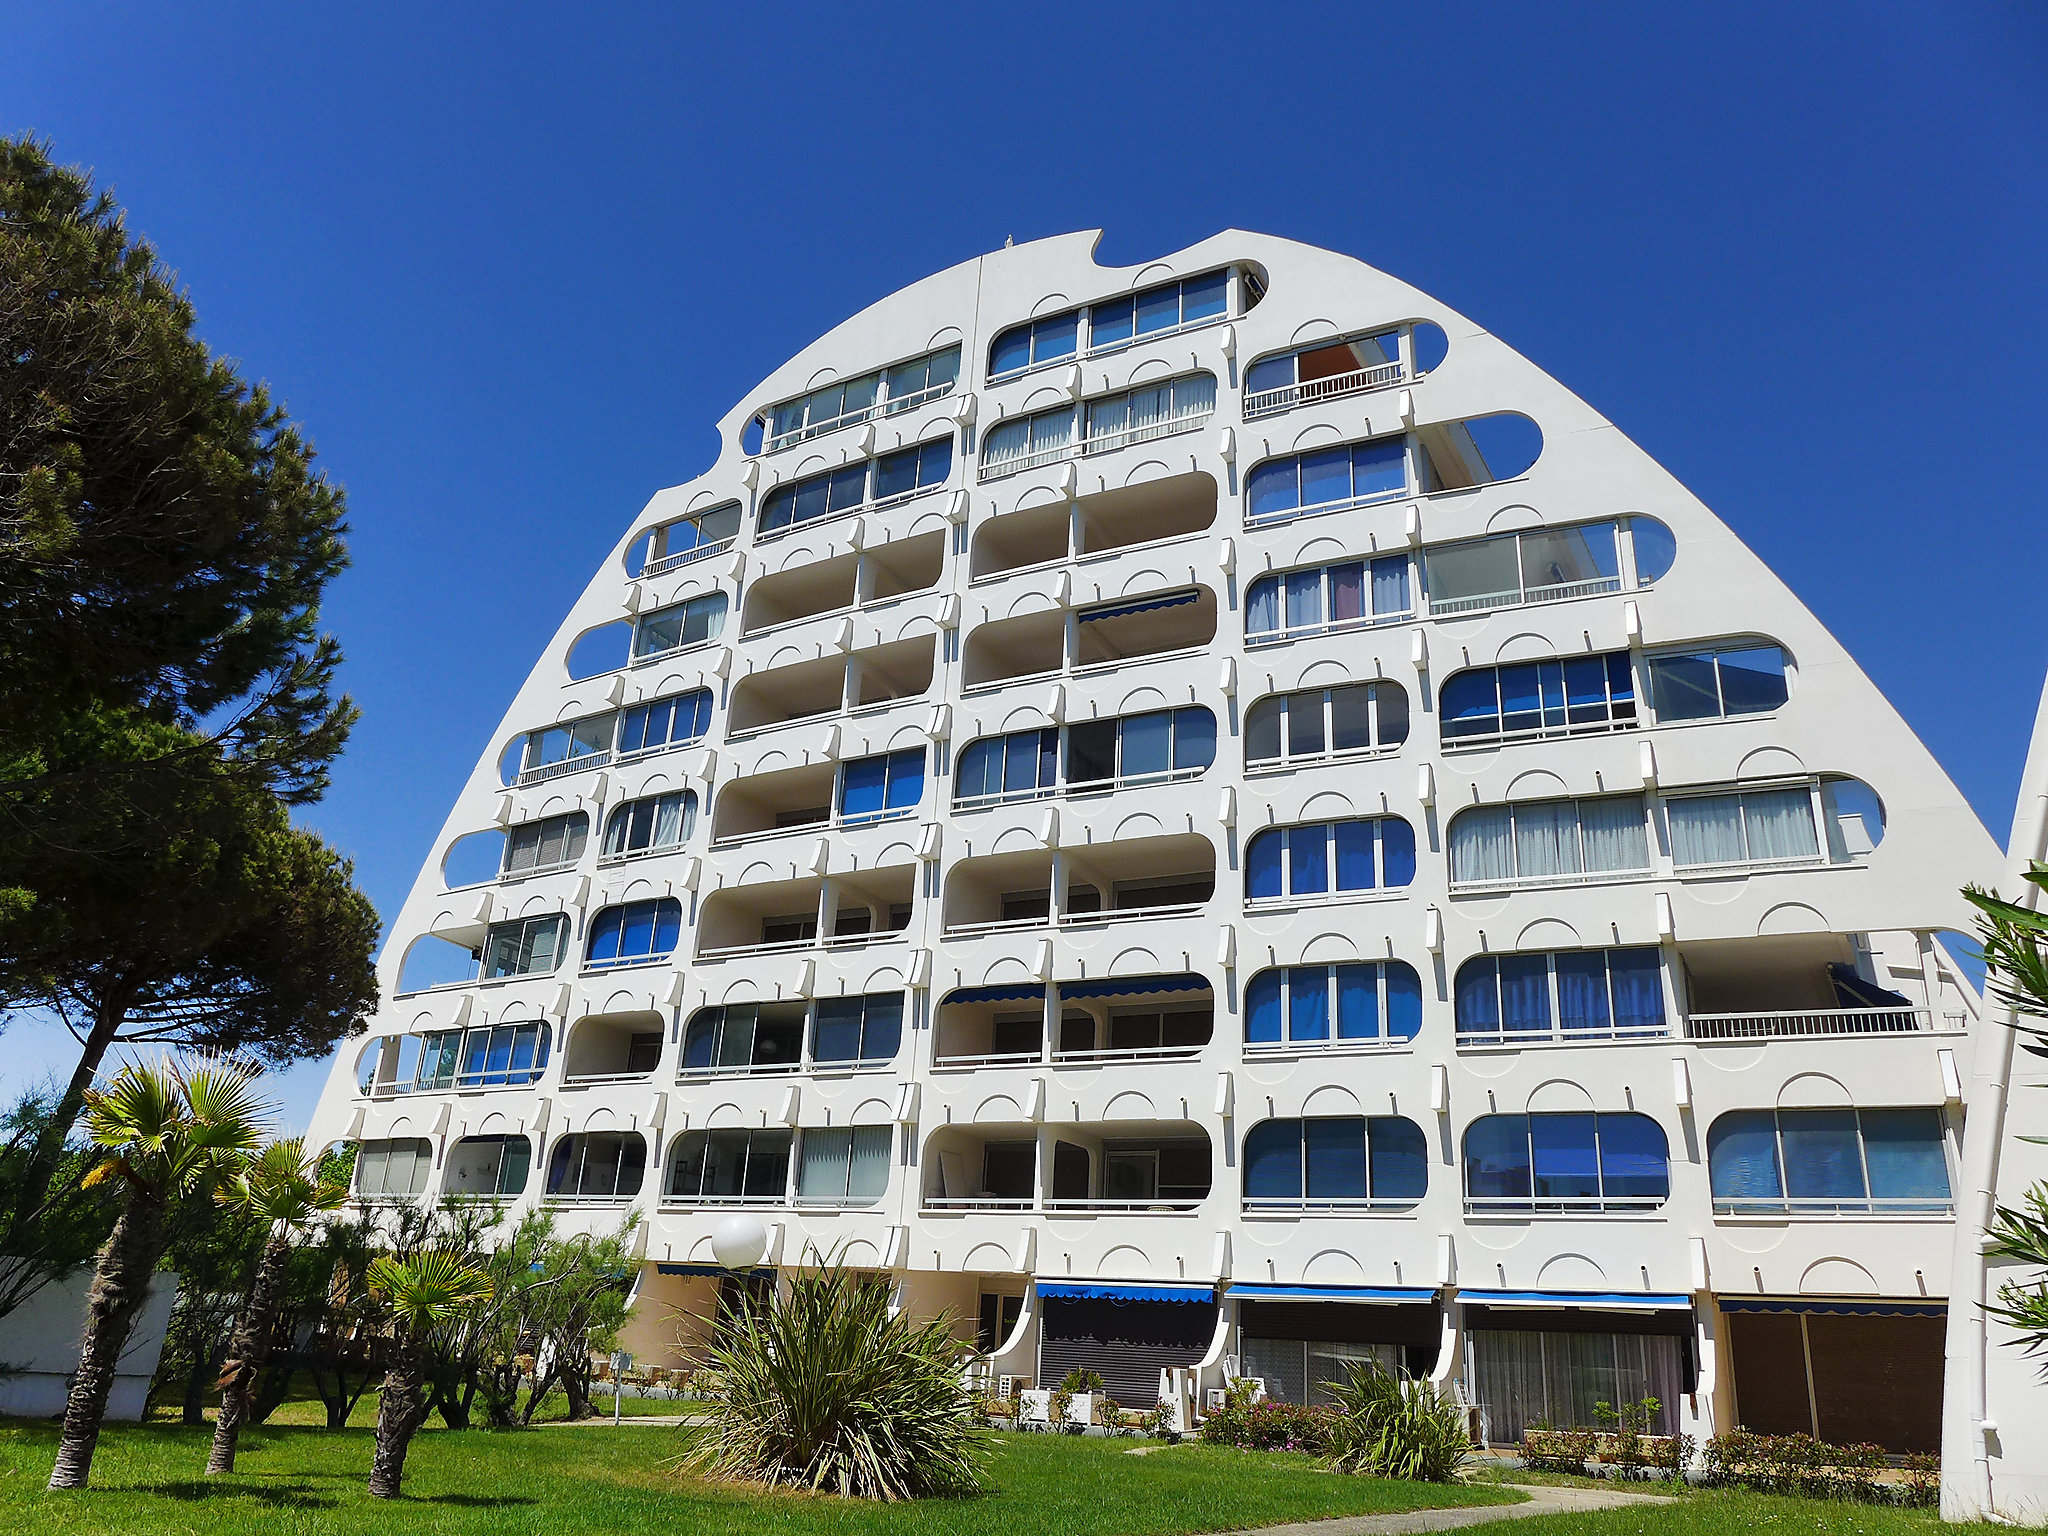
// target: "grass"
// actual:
[[147, 1480], [1727, 1512], [302, 1408]]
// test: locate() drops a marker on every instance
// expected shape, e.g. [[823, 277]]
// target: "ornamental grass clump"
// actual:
[[825, 1389], [1396, 1426]]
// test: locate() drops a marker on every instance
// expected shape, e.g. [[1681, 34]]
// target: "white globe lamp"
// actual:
[[738, 1241]]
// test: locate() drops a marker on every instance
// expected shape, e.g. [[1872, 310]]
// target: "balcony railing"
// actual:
[[1323, 1205], [686, 1074], [889, 407], [1317, 509], [684, 557], [970, 1063], [1879, 1205], [1268, 401], [1546, 1034], [594, 1079], [1126, 1053], [1807, 1024], [1573, 1205], [1556, 592], [950, 1203], [1102, 442], [567, 765], [1157, 1205]]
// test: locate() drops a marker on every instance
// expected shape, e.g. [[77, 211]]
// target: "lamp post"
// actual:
[[739, 1241]]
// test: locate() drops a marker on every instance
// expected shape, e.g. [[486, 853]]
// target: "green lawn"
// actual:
[[147, 1481], [1731, 1513]]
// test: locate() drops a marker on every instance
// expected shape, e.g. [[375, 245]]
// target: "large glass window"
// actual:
[[1024, 765], [1152, 411], [1328, 858], [744, 1037], [634, 932], [730, 1167], [846, 401], [1314, 723], [1326, 599], [1579, 994], [1335, 1163], [847, 1030], [684, 540], [1828, 1161], [555, 747], [832, 492], [1328, 369], [1111, 323], [546, 844], [671, 722], [1027, 441], [1039, 341], [876, 788], [911, 470], [393, 1169], [1021, 765], [680, 624], [1328, 478], [1319, 1005], [494, 1056], [490, 1166], [650, 825], [1759, 826], [1540, 566], [844, 1167], [1712, 685], [527, 946], [1566, 1162], [1540, 698], [597, 1165], [1542, 842]]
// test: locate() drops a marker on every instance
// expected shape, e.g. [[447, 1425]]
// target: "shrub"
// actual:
[[1802, 1465], [1080, 1379], [1268, 1425], [1388, 1425], [824, 1389], [1557, 1450]]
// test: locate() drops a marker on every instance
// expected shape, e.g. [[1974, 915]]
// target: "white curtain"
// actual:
[[1780, 824], [1149, 407], [1482, 847], [1195, 396], [1614, 833], [1522, 1377], [1546, 839], [1706, 829], [1055, 429], [1006, 440], [867, 1178], [821, 1174], [668, 821]]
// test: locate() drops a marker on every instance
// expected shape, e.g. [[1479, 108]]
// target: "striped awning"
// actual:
[[1369, 1295], [1583, 1301], [1827, 1306], [1135, 986], [1143, 605], [1098, 1290]]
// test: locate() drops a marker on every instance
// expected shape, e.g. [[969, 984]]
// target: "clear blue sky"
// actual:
[[509, 263]]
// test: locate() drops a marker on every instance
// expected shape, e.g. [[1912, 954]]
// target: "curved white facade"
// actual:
[[1712, 855]]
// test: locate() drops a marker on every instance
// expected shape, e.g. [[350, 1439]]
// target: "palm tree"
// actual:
[[427, 1291], [282, 1188], [172, 1127]]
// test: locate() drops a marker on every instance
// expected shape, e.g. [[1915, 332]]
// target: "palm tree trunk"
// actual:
[[118, 1290], [248, 1347], [400, 1409]]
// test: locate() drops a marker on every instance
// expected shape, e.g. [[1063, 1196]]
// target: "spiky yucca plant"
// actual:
[[1390, 1425], [825, 1389]]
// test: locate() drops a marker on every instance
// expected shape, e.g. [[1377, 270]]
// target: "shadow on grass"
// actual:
[[276, 1495]]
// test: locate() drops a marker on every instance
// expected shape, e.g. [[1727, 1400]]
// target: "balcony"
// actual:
[[790, 915], [832, 685], [861, 579], [1120, 1019], [1093, 525], [612, 1048], [1330, 370], [1147, 877], [1082, 640], [1165, 1171], [1808, 987], [744, 1039], [986, 1168], [774, 804]]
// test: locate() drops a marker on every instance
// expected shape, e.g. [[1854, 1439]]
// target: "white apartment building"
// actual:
[[1212, 817]]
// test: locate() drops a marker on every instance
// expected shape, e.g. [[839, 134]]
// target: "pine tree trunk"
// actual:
[[399, 1412], [248, 1347], [118, 1290], [28, 1195]]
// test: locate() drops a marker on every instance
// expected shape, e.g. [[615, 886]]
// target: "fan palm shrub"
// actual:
[[171, 1128], [282, 1187], [826, 1389], [1389, 1425], [422, 1293]]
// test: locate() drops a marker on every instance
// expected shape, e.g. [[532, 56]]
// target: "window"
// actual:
[[1540, 698], [1152, 411], [1714, 685], [1020, 766], [763, 1037], [489, 1166], [597, 1165], [634, 932], [1828, 1162], [1541, 566], [680, 624], [910, 470], [1036, 342], [1024, 765], [1321, 1005], [1333, 368], [730, 1167], [1315, 723], [526, 947], [1335, 1163], [847, 401], [920, 379], [1326, 599], [901, 473], [1760, 826], [686, 539], [844, 1167], [857, 1029], [1330, 857], [1115, 322], [877, 788], [998, 1320], [557, 749], [651, 825], [498, 1056], [393, 1168], [1329, 478], [672, 722], [1580, 994], [1548, 842], [548, 844], [1153, 1173], [1566, 1162], [1027, 441]]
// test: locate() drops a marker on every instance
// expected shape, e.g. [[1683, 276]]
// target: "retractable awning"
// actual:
[[1581, 1301], [1134, 986], [1015, 992], [1096, 1290], [708, 1269], [1145, 605], [1822, 1306], [1370, 1295]]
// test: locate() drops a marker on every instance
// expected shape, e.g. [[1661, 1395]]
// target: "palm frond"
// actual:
[[429, 1289]]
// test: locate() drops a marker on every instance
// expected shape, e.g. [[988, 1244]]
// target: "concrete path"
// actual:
[[1543, 1500]]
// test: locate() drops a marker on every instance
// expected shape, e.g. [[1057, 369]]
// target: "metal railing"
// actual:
[[1551, 1034], [684, 557], [970, 1063], [567, 765], [1126, 914], [1128, 1053], [1875, 1205], [1323, 1205], [1810, 1023], [887, 407], [1555, 592], [1350, 503], [1253, 640], [1572, 1205], [1158, 1205], [943, 1203], [593, 1079], [1087, 447], [1267, 401]]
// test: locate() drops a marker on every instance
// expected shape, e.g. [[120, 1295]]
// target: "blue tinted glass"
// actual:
[[1262, 605], [1275, 488], [895, 474], [1752, 680], [812, 499], [1582, 989], [1471, 706], [1585, 688], [668, 925], [1159, 309], [1635, 1161], [1333, 1158], [1325, 477], [1477, 1004], [1400, 1158], [1049, 756], [882, 1027], [849, 487], [976, 763], [1012, 350], [1203, 298], [1055, 337], [604, 934], [1742, 1156], [1273, 373], [636, 934], [700, 1042], [1621, 682], [1497, 1158], [1308, 1003], [1525, 991], [500, 1057], [1308, 860], [1638, 985], [1262, 864], [1551, 675], [778, 511], [934, 461], [1194, 738], [1358, 1015], [1404, 1000], [1390, 585], [1354, 856], [1655, 548], [1565, 1160], [1397, 853], [1147, 742], [838, 1029], [1822, 1158], [1304, 598], [1903, 1148], [906, 779], [1379, 469], [1521, 708], [861, 786], [1272, 1161], [1262, 1009], [1108, 323], [1023, 760], [1683, 688]]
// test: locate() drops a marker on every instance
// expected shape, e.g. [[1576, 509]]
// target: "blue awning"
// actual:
[[1825, 1307], [707, 1270], [1372, 1295], [1587, 1301], [1016, 992], [1135, 986], [1090, 1290], [1143, 605]]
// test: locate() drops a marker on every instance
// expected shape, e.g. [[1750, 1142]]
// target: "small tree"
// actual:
[[173, 1128], [426, 1292], [2015, 940], [576, 1307], [281, 1188]]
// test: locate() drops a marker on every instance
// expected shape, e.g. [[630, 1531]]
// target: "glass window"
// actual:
[[1828, 1160], [871, 788], [393, 1168], [1769, 826], [1306, 724], [730, 1167], [650, 824], [1545, 841], [1558, 697], [1592, 993], [545, 844], [681, 624], [1345, 1161], [1713, 685], [913, 469], [528, 946], [634, 931], [597, 1165], [844, 1167], [1540, 566], [857, 1029], [670, 722], [1567, 1160], [1334, 1003]]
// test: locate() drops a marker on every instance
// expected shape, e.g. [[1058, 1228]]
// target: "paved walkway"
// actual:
[[1543, 1500]]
